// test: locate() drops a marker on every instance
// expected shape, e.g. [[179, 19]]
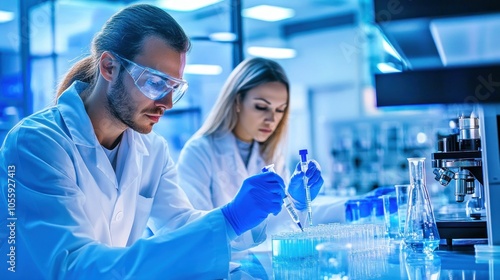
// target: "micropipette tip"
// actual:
[[300, 226]]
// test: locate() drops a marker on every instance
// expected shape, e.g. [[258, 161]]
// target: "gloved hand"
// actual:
[[258, 196], [296, 187]]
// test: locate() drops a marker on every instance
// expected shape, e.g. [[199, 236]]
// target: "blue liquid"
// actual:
[[422, 246]]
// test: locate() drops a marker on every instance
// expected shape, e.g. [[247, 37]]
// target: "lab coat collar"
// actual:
[[130, 162], [256, 162], [227, 139], [137, 142], [81, 130], [78, 121], [75, 116]]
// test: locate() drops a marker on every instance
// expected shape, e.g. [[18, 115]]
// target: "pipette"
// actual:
[[303, 168], [286, 201]]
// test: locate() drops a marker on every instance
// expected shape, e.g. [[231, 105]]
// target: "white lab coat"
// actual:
[[211, 171], [74, 220]]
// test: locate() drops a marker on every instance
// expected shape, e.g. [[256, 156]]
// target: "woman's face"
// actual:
[[260, 112]]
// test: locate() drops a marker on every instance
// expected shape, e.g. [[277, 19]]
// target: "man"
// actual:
[[86, 177]]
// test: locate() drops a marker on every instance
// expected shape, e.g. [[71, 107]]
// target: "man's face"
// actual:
[[123, 106], [128, 104]]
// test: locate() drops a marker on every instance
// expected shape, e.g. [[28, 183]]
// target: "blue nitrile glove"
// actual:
[[296, 187], [258, 196]]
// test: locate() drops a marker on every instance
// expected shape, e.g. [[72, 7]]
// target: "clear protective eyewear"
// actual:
[[153, 83]]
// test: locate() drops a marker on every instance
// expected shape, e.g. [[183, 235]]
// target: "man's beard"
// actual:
[[122, 107]]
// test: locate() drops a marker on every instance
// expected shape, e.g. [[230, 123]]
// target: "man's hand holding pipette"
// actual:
[[259, 196], [296, 187]]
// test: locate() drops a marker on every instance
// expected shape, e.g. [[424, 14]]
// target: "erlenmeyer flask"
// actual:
[[420, 233]]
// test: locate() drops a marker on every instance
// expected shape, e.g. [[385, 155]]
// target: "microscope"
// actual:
[[459, 158], [470, 157]]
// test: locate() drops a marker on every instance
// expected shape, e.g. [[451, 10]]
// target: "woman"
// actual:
[[244, 132]]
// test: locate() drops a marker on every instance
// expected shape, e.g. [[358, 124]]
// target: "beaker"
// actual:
[[421, 235]]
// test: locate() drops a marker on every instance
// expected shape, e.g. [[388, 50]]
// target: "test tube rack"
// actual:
[[294, 253]]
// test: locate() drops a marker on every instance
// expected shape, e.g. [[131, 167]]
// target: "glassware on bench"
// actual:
[[421, 235]]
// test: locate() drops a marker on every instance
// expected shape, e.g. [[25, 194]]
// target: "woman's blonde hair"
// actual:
[[249, 74]]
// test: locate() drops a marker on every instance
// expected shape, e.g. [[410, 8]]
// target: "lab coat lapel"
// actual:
[[229, 149], [96, 176], [80, 128], [130, 156], [255, 162], [228, 172], [99, 166], [235, 158]]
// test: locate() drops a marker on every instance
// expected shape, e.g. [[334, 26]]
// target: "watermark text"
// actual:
[[11, 219]]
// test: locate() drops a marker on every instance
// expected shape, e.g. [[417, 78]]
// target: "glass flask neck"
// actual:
[[417, 171]]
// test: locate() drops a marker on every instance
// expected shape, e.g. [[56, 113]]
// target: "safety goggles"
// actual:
[[153, 83]]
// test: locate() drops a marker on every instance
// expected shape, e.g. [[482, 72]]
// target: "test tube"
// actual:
[[303, 168], [286, 201]]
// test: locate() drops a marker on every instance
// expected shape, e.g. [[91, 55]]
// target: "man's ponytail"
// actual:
[[84, 70]]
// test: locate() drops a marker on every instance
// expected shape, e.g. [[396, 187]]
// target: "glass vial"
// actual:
[[421, 235]]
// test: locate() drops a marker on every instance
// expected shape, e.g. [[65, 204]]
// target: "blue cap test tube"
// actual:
[[303, 168]]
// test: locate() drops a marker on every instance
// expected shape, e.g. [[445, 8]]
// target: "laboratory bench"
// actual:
[[459, 263]]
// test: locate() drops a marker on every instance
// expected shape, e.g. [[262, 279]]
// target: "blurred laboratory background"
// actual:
[[331, 50]]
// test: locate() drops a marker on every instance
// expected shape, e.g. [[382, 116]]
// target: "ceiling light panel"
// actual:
[[276, 53], [202, 69], [6, 16], [268, 13]]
